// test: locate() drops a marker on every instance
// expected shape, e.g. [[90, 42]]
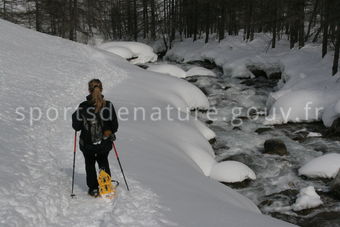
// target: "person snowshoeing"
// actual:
[[97, 120]]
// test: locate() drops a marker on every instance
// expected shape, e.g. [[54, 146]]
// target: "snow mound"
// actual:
[[205, 130], [172, 70], [121, 51], [199, 71], [331, 113], [141, 51], [232, 172], [307, 199], [307, 107], [314, 134], [237, 69], [326, 166], [201, 157]]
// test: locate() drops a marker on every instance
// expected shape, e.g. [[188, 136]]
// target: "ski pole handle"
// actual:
[[75, 142], [114, 147]]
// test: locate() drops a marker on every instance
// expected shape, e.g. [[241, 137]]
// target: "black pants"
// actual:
[[92, 155]]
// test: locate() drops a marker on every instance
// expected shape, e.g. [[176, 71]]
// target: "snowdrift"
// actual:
[[167, 187], [141, 52], [172, 70]]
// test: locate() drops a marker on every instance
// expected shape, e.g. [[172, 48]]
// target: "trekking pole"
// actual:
[[74, 160], [120, 165]]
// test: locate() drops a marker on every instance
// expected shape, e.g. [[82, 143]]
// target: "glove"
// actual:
[[112, 137], [108, 135]]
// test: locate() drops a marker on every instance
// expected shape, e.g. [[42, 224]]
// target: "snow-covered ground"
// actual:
[[307, 91], [167, 187]]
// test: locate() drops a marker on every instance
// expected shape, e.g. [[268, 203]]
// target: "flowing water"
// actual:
[[240, 135]]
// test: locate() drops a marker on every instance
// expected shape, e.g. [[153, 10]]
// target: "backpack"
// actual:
[[94, 127]]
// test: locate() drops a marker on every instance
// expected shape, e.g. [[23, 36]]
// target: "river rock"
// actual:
[[259, 73], [263, 130], [323, 219], [335, 186], [192, 79], [204, 90], [212, 141], [275, 146], [244, 158], [334, 130], [205, 63], [248, 82], [237, 128], [275, 76]]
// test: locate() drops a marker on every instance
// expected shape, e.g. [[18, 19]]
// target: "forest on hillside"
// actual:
[[300, 21]]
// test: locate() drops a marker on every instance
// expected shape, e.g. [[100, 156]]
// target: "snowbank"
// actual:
[[121, 51], [232, 172], [167, 187], [205, 130], [172, 70], [199, 71], [307, 91], [307, 199], [202, 158], [326, 166], [331, 113], [176, 71], [237, 69], [141, 51]]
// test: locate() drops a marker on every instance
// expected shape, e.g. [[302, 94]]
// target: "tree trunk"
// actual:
[[336, 51], [153, 19], [195, 15], [274, 23], [4, 9], [173, 22], [312, 19], [222, 19], [325, 28], [129, 18], [207, 22], [38, 15], [301, 23], [145, 19], [73, 5], [135, 28]]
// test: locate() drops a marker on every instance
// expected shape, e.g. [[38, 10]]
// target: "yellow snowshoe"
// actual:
[[106, 188]]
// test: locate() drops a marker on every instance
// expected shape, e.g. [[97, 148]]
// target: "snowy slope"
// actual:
[[167, 187]]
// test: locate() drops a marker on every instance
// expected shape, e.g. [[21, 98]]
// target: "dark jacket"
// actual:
[[87, 110]]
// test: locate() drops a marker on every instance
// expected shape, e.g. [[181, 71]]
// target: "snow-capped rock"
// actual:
[[231, 172], [326, 166], [141, 51], [121, 51], [169, 69], [307, 199], [199, 71]]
